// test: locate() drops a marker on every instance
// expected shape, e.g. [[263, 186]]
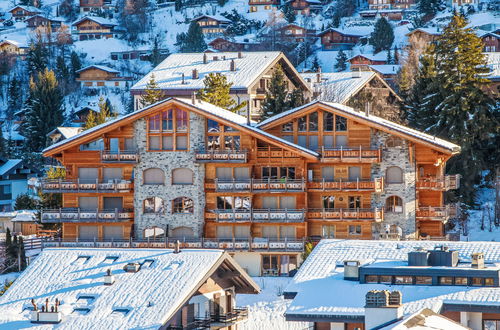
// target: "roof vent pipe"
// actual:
[[318, 75], [248, 113], [183, 79], [232, 66], [240, 55], [205, 58], [195, 74], [193, 98], [177, 247]]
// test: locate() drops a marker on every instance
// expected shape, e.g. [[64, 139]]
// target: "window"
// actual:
[[225, 232], [354, 202], [423, 280], [182, 232], [489, 281], [328, 231], [328, 202], [340, 124], [220, 137], [354, 173], [385, 279], [445, 280], [112, 174], [288, 127], [327, 173], [270, 232], [354, 229], [242, 232], [477, 281], [404, 280], [491, 324], [341, 141], [394, 174], [154, 176], [168, 130], [371, 278], [230, 203], [328, 121], [153, 205], [212, 126], [182, 205], [394, 204], [182, 176], [278, 172], [461, 281], [93, 146], [270, 265]]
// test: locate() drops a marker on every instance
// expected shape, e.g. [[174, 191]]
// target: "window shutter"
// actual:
[[154, 176], [242, 231], [224, 173], [327, 173], [182, 176], [112, 174], [241, 173], [87, 203], [270, 231], [86, 174]]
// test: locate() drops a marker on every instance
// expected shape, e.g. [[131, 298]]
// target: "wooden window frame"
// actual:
[[183, 200], [278, 262], [174, 133], [392, 206], [161, 206], [222, 133]]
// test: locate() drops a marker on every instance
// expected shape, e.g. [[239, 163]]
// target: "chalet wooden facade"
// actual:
[[305, 7], [20, 13], [192, 171], [90, 27], [363, 61], [212, 25], [335, 39], [87, 6], [296, 33], [227, 45], [37, 21], [491, 42], [427, 35], [263, 5], [99, 76], [14, 48], [390, 4]]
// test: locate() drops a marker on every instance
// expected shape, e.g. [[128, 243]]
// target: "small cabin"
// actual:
[[212, 24], [99, 76], [363, 61], [41, 21], [13, 47], [296, 32], [226, 45], [491, 42], [305, 7], [426, 34], [88, 28], [263, 5], [336, 39], [20, 13], [89, 5]]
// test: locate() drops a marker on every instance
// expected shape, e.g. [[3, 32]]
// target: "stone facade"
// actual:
[[168, 161], [395, 156]]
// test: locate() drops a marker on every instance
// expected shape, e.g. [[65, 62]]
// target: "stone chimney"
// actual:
[[193, 98], [177, 247], [232, 65], [240, 55], [382, 308], [477, 260], [109, 278], [195, 74], [318, 75]]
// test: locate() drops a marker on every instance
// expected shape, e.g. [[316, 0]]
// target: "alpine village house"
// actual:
[[183, 169]]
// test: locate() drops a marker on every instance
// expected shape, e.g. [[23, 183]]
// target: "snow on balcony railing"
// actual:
[[376, 184], [257, 215], [370, 214], [257, 185], [358, 155], [233, 156], [77, 214], [119, 156], [66, 186]]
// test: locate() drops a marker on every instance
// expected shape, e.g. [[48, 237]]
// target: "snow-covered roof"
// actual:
[[392, 126], [31, 9], [206, 107], [338, 86], [168, 74], [380, 56], [25, 216], [98, 20], [435, 31], [66, 132], [493, 62], [425, 319], [9, 165], [321, 272], [219, 18], [151, 296], [53, 19], [356, 31], [99, 67], [14, 43], [386, 69]]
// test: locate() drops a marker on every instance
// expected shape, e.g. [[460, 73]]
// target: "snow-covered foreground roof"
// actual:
[[322, 290], [152, 295], [168, 74], [425, 319], [386, 68], [9, 165], [99, 67], [493, 62], [374, 119], [338, 86]]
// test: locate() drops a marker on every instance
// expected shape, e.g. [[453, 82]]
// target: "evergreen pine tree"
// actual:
[[8, 237], [296, 98], [341, 61], [152, 93], [382, 36], [15, 99], [276, 95], [178, 5], [389, 57], [75, 62], [104, 114], [429, 7], [22, 253], [37, 58], [289, 12], [155, 57], [315, 64], [221, 3], [44, 110], [193, 41], [216, 92], [3, 145], [25, 202]]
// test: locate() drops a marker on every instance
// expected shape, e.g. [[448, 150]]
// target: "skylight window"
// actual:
[[120, 311], [81, 311], [85, 299], [147, 263], [109, 260], [81, 260]]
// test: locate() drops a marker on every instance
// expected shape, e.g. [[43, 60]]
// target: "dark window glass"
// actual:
[[423, 280], [403, 280], [212, 126], [288, 127], [340, 124], [313, 122], [477, 281], [328, 121], [303, 124], [445, 280], [329, 202], [371, 279]]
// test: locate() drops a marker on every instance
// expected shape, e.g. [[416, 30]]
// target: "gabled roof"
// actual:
[[66, 132], [9, 166], [380, 56], [27, 8], [53, 19], [386, 69], [435, 31], [99, 67], [493, 62], [425, 319], [168, 74], [14, 43], [370, 120], [353, 31], [98, 20], [219, 18], [221, 115], [151, 296]]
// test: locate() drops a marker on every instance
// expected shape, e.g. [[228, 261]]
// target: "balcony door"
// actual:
[[354, 202], [113, 232], [241, 173], [88, 175], [287, 202], [354, 173], [224, 173], [114, 145], [88, 203], [87, 232], [112, 174], [328, 173], [112, 203]]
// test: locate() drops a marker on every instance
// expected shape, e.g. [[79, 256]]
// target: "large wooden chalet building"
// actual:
[[185, 169]]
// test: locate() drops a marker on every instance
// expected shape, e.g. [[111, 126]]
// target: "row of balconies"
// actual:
[[83, 215], [86, 186]]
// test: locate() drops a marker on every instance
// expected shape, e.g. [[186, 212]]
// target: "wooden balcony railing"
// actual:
[[232, 156], [81, 215], [361, 214], [274, 154], [257, 185], [436, 213], [448, 182], [257, 215], [376, 184], [76, 186], [120, 156], [358, 155]]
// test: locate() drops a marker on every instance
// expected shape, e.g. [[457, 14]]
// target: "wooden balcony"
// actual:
[[257, 215], [448, 182], [221, 156], [375, 185], [86, 186], [120, 156], [370, 214], [257, 185], [275, 154], [436, 213], [346, 155], [79, 215]]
